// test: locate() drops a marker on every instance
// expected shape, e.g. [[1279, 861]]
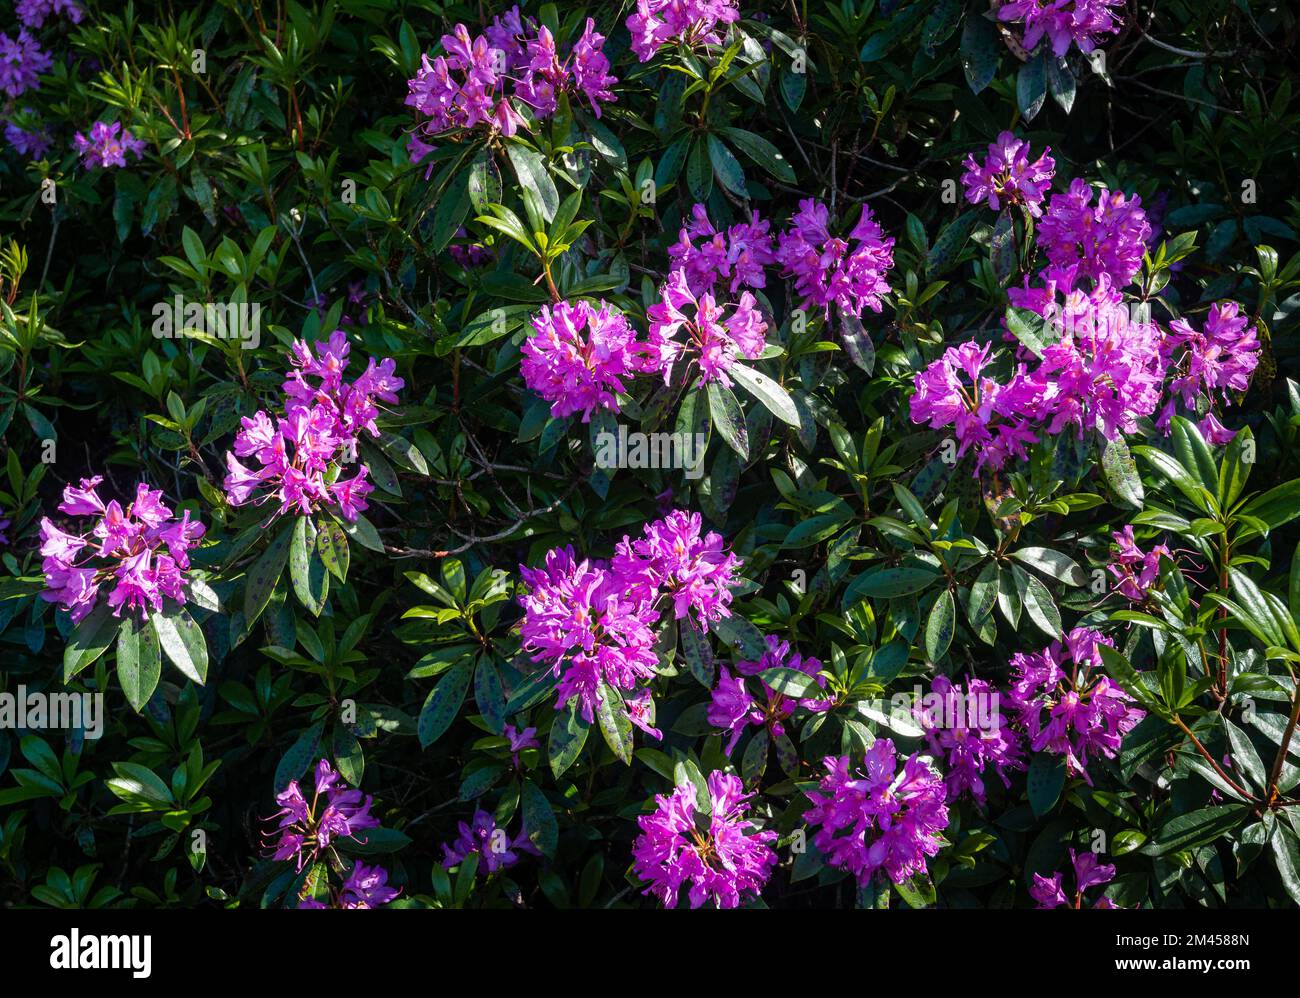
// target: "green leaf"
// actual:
[[1052, 563], [90, 639], [726, 168], [531, 170], [139, 661], [1045, 781], [568, 736], [182, 641], [301, 754], [260, 580], [332, 547], [939, 626], [762, 152], [697, 652], [886, 583], [1121, 472], [614, 723], [729, 420], [1031, 84], [980, 50], [488, 694], [443, 703], [1187, 831], [699, 172], [738, 633], [306, 570], [539, 818], [767, 391], [1275, 507]]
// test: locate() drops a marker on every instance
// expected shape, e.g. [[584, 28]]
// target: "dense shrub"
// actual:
[[659, 453]]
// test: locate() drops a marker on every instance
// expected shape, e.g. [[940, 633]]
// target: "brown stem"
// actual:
[[1210, 759]]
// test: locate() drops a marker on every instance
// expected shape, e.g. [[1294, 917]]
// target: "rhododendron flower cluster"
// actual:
[[302, 452], [733, 708], [140, 554], [877, 817], [481, 836], [735, 258], [964, 727], [1134, 569], [1106, 238], [107, 146], [593, 622], [720, 854], [32, 143], [986, 415], [336, 811], [828, 270], [365, 887], [1089, 871], [1065, 707], [689, 22], [467, 86], [1221, 357], [1082, 22], [674, 558], [714, 338], [1105, 372], [579, 357], [33, 13], [1007, 177], [581, 620], [22, 61]]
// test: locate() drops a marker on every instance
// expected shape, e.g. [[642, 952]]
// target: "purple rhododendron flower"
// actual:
[[494, 847], [721, 854], [732, 708], [1089, 871], [4, 525], [1214, 432], [578, 357], [33, 13], [1106, 238], [467, 85], [1007, 177], [1071, 713], [140, 553], [689, 22], [336, 811], [1063, 21], [1221, 357], [107, 146], [1135, 570], [22, 61], [877, 817], [964, 727], [735, 258], [671, 557], [713, 339], [323, 420], [848, 273], [986, 415], [32, 143], [366, 887], [1106, 370], [582, 621]]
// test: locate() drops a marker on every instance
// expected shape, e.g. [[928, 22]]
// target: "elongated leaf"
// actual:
[[443, 703], [139, 661], [182, 641]]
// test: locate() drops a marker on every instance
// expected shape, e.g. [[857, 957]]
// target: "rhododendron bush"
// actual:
[[679, 453]]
